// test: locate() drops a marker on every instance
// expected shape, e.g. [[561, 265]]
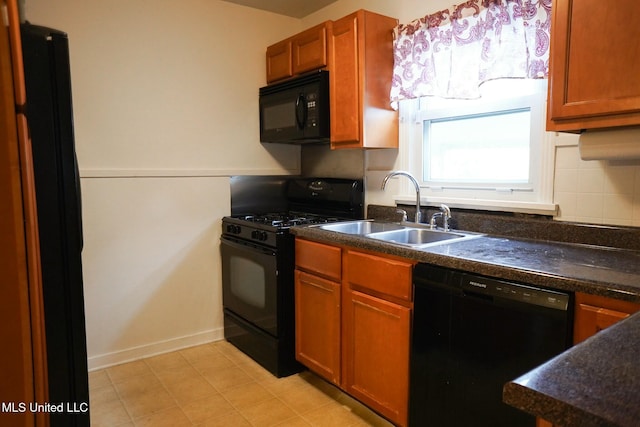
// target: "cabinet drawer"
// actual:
[[380, 275], [320, 259]]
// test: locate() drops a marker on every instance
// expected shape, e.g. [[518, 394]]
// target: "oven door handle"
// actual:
[[242, 244]]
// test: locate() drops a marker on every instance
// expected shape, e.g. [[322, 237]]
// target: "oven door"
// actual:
[[250, 282]]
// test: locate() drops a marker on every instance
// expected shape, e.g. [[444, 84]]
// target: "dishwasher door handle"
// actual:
[[477, 295]]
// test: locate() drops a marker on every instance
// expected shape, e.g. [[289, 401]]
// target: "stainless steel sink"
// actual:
[[421, 237], [407, 234], [361, 227]]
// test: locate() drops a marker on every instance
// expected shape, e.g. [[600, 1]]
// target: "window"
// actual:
[[467, 149], [489, 153]]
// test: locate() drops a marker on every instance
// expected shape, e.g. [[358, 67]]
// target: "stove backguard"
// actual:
[[339, 197], [252, 195]]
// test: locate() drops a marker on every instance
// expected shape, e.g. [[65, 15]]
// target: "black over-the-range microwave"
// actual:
[[296, 111]]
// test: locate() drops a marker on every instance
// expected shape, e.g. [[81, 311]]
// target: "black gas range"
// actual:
[[258, 260], [264, 228], [299, 201]]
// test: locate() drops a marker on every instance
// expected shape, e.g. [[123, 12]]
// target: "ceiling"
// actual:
[[293, 8]]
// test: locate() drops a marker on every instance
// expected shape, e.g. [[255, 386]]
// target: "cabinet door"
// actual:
[[345, 80], [318, 325], [309, 49], [376, 342], [279, 65], [361, 68], [595, 313], [594, 65]]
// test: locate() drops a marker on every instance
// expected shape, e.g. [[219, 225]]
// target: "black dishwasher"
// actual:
[[471, 335]]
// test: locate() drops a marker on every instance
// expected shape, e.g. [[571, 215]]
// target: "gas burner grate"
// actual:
[[286, 220]]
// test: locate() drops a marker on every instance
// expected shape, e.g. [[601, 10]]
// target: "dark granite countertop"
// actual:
[[591, 269], [595, 383]]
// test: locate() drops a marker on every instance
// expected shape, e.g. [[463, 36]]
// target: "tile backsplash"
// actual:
[[595, 191]]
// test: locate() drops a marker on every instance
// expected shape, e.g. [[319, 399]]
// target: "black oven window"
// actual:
[[248, 281]]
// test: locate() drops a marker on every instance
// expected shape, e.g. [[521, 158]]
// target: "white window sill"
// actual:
[[486, 205]]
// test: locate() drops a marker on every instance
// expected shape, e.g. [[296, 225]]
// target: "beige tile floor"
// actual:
[[216, 385]]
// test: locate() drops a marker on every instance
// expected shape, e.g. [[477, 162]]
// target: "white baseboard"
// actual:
[[148, 350]]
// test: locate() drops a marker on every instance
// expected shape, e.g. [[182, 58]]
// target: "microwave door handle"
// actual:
[[301, 111]]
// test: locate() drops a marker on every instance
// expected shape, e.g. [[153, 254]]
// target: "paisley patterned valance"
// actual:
[[450, 53]]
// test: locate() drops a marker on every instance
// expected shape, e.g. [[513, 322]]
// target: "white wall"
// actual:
[[168, 87], [151, 264], [165, 106]]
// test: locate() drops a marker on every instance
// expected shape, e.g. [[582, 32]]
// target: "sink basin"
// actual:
[[361, 227], [407, 234], [420, 236]]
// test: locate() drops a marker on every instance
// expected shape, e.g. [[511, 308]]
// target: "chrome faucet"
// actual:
[[418, 217], [403, 213], [445, 213]]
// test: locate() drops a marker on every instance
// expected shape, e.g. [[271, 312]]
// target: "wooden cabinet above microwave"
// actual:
[[298, 54], [594, 66], [357, 50]]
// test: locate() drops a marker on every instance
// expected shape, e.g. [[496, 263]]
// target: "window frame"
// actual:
[[533, 197]]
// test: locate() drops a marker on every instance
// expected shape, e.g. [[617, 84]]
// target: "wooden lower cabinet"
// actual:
[[319, 259], [376, 353], [318, 325], [355, 332], [543, 423], [594, 313]]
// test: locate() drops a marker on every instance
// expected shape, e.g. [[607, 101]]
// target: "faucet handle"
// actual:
[[446, 216], [432, 221]]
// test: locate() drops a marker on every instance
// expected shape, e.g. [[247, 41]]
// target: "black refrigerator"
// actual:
[[57, 183]]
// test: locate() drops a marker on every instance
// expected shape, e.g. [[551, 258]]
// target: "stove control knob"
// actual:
[[233, 229], [259, 235]]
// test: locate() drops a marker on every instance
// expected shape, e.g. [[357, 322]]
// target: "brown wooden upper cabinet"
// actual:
[[360, 71], [298, 54], [594, 65]]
